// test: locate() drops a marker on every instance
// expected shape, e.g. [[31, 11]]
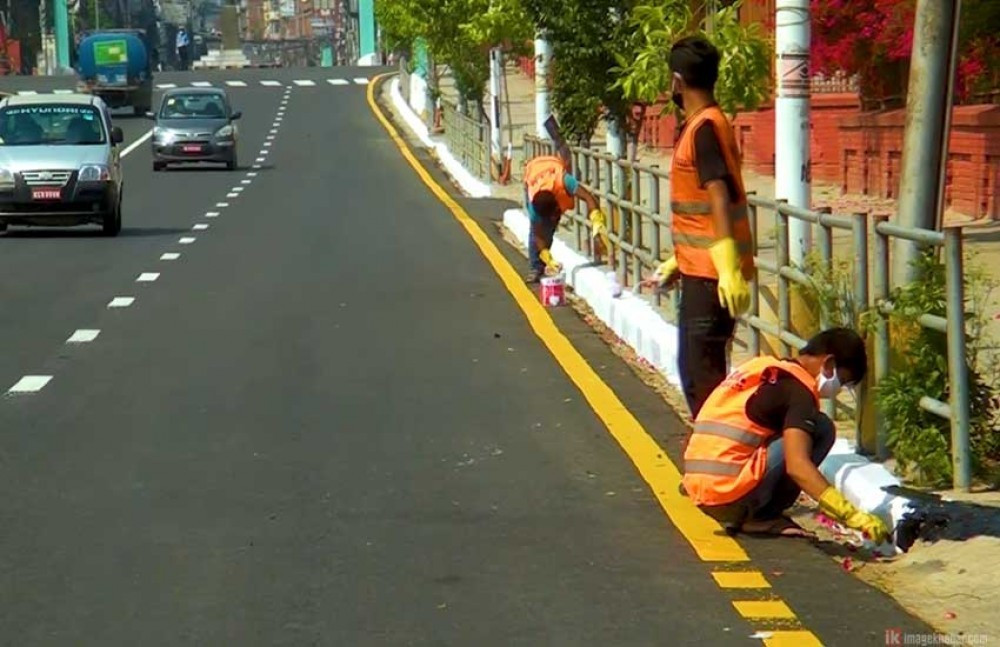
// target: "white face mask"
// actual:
[[828, 387]]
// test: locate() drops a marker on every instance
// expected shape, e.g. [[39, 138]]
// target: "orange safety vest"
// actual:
[[692, 226], [726, 456], [547, 173]]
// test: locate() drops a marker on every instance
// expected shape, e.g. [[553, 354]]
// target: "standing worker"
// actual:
[[760, 437], [713, 250], [549, 190]]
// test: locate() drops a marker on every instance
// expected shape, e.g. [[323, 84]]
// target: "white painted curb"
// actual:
[[473, 187], [655, 340]]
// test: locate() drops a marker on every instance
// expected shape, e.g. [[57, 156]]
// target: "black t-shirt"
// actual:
[[783, 403]]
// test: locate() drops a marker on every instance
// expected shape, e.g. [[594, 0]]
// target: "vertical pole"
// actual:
[[958, 373], [824, 241], [925, 141], [792, 175], [366, 27], [754, 284], [496, 71], [543, 55], [654, 208], [859, 229], [784, 303], [880, 285]]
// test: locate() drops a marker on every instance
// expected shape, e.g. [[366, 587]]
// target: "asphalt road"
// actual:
[[328, 423]]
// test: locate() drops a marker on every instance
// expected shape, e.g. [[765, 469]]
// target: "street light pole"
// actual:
[[543, 55]]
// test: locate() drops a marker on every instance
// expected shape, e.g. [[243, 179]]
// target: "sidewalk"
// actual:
[[944, 578]]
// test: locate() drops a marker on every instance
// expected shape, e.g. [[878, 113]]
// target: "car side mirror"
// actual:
[[150, 115], [236, 115], [117, 136]]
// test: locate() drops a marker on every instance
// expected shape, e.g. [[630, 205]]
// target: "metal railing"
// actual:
[[468, 139], [637, 200]]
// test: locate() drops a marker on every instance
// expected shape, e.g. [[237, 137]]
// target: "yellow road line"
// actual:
[[706, 537], [769, 609], [792, 639], [741, 580]]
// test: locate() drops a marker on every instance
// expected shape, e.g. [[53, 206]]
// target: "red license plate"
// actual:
[[191, 148], [46, 194]]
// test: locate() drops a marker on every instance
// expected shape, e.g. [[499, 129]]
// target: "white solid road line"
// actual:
[[236, 84], [187, 240], [134, 145], [30, 384], [147, 277], [83, 336], [200, 227], [271, 84], [170, 256], [338, 81], [121, 302]]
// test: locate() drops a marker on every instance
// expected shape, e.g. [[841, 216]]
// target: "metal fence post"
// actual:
[[784, 303], [958, 372], [755, 282], [880, 298], [859, 231], [619, 191], [636, 218], [654, 208], [824, 240]]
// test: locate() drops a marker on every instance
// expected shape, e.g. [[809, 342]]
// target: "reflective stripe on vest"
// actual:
[[692, 226], [726, 456], [547, 173]]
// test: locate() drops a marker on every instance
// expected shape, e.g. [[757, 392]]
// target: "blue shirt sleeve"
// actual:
[[571, 183]]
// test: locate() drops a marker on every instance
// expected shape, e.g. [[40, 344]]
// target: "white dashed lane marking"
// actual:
[[245, 181], [361, 80], [83, 336], [221, 205], [258, 160], [170, 256], [271, 84], [121, 302], [201, 84], [338, 81], [147, 277], [232, 195], [211, 214], [200, 227], [238, 189], [236, 84], [251, 174], [166, 86], [30, 384], [62, 92], [187, 240]]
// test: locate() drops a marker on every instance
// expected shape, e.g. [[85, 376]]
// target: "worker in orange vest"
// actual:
[[760, 437], [549, 190], [713, 250]]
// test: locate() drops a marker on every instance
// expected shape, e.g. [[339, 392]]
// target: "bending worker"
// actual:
[[549, 190], [713, 251], [760, 437]]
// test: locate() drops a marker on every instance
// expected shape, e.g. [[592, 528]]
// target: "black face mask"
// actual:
[[678, 100]]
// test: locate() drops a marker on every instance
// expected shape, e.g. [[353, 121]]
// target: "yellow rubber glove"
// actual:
[[599, 230], [550, 263], [734, 291], [834, 504], [667, 270]]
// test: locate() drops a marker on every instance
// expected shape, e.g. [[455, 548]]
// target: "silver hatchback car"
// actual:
[[60, 162], [194, 125]]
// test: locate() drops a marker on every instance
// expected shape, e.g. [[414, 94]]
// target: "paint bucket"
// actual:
[[553, 290]]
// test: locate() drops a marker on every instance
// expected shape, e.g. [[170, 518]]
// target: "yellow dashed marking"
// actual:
[[741, 580], [769, 609]]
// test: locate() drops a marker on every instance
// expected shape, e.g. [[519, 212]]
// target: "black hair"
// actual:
[[697, 61], [546, 205], [847, 348]]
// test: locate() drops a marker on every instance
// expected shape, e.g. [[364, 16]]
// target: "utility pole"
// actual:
[[543, 56], [496, 71], [61, 20], [928, 124], [366, 23], [792, 174]]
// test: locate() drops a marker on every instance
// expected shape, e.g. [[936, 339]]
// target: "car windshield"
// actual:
[[51, 125], [193, 106]]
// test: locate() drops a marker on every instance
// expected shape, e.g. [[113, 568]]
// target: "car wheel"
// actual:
[[159, 166], [113, 220]]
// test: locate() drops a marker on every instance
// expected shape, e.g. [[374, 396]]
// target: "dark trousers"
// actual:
[[705, 329], [547, 230]]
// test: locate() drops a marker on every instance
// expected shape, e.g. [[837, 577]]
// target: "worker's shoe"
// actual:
[[534, 276]]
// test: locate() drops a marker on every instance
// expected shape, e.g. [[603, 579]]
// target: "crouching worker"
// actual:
[[760, 437], [550, 190]]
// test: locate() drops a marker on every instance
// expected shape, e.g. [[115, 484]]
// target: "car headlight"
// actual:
[[94, 173], [163, 136], [6, 178], [226, 132]]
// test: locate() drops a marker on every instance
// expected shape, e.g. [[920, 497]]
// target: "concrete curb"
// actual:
[[655, 340]]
